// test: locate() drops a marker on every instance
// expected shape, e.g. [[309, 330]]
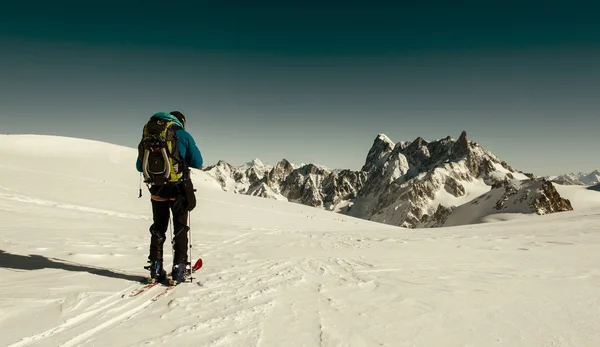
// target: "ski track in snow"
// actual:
[[95, 310], [48, 203], [131, 309], [105, 314]]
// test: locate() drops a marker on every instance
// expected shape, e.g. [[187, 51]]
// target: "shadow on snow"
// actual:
[[38, 262]]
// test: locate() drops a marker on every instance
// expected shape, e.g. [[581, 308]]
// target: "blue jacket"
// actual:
[[185, 142]]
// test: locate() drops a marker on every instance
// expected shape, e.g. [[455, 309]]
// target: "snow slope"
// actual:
[[582, 197], [74, 238], [511, 200]]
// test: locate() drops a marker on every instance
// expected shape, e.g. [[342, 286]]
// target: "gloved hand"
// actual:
[[187, 188]]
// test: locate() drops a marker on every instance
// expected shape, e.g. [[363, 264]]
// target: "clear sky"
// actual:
[[309, 81]]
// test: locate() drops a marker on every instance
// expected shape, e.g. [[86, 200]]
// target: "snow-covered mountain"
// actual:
[[578, 178], [409, 183], [239, 179]]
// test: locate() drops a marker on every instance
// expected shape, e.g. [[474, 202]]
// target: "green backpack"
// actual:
[[161, 161]]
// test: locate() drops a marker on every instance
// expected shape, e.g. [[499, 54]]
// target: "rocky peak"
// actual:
[[417, 152], [311, 169], [284, 164], [439, 150], [381, 146], [461, 146], [222, 163], [280, 171], [257, 164], [304, 185], [416, 144]]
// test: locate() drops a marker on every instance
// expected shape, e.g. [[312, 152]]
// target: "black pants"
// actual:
[[161, 211]]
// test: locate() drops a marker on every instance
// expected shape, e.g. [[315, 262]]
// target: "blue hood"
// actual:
[[169, 117]]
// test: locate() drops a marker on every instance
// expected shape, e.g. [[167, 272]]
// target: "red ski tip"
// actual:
[[198, 264]]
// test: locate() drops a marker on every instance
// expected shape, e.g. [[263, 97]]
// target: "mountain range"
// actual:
[[579, 178], [410, 184]]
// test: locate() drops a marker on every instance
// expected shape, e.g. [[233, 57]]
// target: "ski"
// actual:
[[143, 288], [163, 293], [173, 284]]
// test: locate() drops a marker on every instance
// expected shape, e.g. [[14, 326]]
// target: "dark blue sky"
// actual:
[[348, 28], [310, 82]]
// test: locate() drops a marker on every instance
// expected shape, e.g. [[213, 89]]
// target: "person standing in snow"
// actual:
[[175, 194]]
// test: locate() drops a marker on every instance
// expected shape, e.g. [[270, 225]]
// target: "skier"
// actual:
[[170, 187]]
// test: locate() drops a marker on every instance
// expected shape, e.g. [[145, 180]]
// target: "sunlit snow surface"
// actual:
[[74, 239]]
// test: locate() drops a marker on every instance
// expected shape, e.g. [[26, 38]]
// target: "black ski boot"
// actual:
[[180, 273], [157, 272]]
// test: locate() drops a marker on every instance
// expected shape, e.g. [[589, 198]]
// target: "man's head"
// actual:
[[179, 116]]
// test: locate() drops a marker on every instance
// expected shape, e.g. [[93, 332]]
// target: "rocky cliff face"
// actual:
[[410, 184]]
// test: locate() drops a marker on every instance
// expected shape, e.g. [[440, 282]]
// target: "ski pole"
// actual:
[[190, 243], [172, 243], [140, 186]]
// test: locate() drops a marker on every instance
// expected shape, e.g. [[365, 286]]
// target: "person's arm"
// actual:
[[193, 157]]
